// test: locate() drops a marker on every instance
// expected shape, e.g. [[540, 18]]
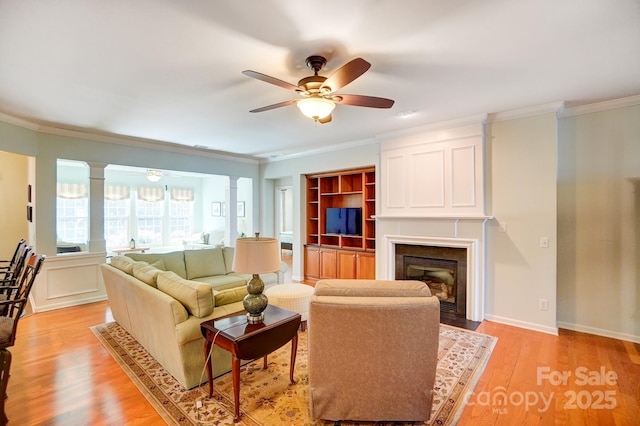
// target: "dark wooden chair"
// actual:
[[21, 243], [14, 295], [10, 268]]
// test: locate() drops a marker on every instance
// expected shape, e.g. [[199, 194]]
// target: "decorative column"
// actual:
[[97, 242], [232, 211]]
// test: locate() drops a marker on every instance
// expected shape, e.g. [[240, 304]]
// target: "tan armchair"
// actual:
[[373, 348]]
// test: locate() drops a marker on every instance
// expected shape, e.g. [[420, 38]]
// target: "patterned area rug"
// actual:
[[268, 398]]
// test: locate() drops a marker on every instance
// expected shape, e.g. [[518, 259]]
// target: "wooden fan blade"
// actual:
[[346, 74], [365, 101], [269, 79], [325, 120], [274, 106]]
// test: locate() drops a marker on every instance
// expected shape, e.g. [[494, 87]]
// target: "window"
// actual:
[[150, 215], [181, 209], [72, 213], [72, 203], [117, 209], [155, 220]]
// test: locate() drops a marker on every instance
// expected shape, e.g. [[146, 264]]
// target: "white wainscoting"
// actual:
[[68, 280], [433, 173]]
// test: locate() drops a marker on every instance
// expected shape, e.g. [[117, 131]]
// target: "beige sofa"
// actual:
[[161, 300], [373, 348]]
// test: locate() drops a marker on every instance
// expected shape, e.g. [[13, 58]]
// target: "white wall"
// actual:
[[214, 189], [522, 186], [599, 223]]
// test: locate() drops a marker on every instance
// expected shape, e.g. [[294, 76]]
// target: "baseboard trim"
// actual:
[[69, 304], [599, 332], [522, 324]]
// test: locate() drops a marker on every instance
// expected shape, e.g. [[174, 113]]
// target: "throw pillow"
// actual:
[[230, 295], [204, 263], [197, 298], [124, 263], [173, 261], [148, 273]]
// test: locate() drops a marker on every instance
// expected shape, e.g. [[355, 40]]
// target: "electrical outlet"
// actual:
[[543, 304], [544, 242]]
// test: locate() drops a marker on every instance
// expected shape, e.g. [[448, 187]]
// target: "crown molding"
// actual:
[[553, 107], [599, 106], [18, 122], [129, 141], [473, 120], [327, 148]]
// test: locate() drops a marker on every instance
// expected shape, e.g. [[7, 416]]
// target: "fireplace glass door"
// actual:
[[443, 269], [439, 275]]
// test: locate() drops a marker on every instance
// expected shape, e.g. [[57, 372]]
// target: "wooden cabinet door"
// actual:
[[328, 263], [346, 264], [312, 262], [366, 266]]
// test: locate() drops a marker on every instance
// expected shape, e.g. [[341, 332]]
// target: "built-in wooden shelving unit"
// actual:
[[347, 188]]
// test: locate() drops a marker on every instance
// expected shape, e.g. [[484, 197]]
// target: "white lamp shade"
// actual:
[[316, 107], [256, 255]]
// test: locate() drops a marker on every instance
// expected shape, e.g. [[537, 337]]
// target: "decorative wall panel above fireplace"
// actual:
[[434, 173]]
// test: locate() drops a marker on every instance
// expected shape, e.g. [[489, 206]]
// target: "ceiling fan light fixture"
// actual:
[[154, 175], [316, 107]]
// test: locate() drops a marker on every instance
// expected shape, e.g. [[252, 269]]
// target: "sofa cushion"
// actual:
[[124, 263], [228, 258], [229, 295], [173, 261], [204, 263], [372, 288], [147, 273], [221, 282], [197, 298]]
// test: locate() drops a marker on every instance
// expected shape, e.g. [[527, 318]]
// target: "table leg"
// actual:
[[235, 370], [264, 366], [294, 350], [207, 349]]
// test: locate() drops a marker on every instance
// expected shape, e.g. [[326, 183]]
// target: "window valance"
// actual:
[[150, 194], [71, 191], [116, 192], [181, 194]]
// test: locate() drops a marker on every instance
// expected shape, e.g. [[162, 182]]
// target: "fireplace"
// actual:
[[443, 269], [465, 247]]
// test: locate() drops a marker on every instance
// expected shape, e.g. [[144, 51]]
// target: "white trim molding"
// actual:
[[599, 331], [569, 111], [526, 112]]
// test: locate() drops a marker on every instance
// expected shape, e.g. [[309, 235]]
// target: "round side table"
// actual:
[[294, 297]]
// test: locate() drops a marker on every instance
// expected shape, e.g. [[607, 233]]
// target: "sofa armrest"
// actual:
[[283, 269]]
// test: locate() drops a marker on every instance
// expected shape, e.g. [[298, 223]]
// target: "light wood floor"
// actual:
[[62, 375]]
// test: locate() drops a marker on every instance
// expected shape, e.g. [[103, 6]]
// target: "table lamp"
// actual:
[[255, 255]]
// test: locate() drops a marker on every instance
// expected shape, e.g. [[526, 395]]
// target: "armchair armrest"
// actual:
[[283, 269]]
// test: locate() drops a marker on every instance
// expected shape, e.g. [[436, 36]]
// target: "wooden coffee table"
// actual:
[[250, 341]]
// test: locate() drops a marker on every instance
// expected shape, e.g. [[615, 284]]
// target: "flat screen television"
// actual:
[[344, 220]]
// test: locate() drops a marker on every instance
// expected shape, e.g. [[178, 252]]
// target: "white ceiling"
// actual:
[[170, 70]]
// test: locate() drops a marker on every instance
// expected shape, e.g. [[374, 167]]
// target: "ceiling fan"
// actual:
[[318, 92]]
